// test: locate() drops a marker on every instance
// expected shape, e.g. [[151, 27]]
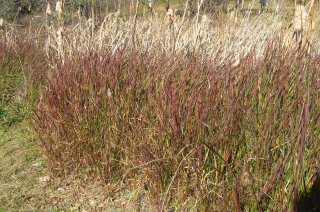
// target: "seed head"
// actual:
[[1, 23], [79, 13], [59, 7], [48, 11], [60, 32], [302, 19], [170, 15]]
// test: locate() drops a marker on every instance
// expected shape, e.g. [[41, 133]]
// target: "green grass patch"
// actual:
[[20, 81], [19, 152]]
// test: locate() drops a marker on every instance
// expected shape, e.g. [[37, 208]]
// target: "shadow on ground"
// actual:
[[310, 201]]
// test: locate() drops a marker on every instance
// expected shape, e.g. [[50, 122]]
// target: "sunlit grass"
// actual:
[[208, 112]]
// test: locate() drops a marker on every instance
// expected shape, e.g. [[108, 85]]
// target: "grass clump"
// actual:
[[195, 132], [20, 78], [11, 78]]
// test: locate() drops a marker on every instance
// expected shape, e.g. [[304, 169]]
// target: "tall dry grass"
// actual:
[[203, 36], [197, 133], [206, 113]]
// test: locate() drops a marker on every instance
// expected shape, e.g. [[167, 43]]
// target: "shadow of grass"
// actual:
[[309, 200]]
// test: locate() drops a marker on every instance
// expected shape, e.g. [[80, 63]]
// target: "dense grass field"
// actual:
[[128, 111]]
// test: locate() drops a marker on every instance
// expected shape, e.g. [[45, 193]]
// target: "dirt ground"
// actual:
[[25, 184]]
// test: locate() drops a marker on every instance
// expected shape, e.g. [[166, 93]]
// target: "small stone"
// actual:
[[61, 190], [36, 164], [92, 202], [109, 93], [44, 179]]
